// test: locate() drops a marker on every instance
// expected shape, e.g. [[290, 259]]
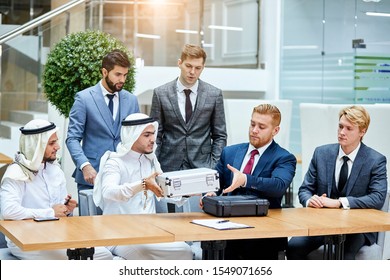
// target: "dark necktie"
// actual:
[[249, 165], [188, 105], [343, 174], [111, 103]]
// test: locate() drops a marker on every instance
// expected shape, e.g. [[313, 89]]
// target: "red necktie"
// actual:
[[249, 165]]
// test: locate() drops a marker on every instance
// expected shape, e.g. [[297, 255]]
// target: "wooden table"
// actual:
[[92, 231], [334, 224], [213, 242], [334, 221], [83, 232], [5, 159], [179, 224]]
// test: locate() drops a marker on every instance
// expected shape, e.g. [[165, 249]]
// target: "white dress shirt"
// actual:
[[181, 97], [256, 159], [115, 100], [339, 162], [26, 200]]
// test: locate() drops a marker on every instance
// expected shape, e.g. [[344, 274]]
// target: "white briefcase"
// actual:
[[188, 182]]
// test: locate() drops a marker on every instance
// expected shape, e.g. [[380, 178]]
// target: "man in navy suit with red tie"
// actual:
[[261, 168]]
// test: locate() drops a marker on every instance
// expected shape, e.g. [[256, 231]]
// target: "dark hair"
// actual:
[[115, 57]]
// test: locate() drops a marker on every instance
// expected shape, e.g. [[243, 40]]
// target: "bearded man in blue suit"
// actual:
[[95, 118], [272, 172]]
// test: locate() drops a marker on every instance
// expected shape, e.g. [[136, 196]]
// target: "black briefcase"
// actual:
[[235, 206]]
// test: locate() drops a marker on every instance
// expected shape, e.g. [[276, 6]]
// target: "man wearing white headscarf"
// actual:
[[34, 186], [126, 184]]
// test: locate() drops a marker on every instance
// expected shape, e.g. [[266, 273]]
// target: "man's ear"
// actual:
[[276, 130], [104, 72]]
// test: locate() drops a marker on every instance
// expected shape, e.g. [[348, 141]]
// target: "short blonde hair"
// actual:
[[269, 109], [357, 115]]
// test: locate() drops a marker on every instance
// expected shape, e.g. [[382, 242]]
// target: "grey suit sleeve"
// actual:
[[309, 184], [377, 188], [156, 113], [218, 129]]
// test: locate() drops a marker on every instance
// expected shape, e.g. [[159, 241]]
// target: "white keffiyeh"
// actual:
[[129, 135], [32, 146]]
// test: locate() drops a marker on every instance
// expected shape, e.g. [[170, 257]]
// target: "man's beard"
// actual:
[[112, 86], [49, 160]]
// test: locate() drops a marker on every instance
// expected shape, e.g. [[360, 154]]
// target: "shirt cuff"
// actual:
[[84, 164], [344, 203], [246, 180]]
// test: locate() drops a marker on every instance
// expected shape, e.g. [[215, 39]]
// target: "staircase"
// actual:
[[9, 129], [18, 108]]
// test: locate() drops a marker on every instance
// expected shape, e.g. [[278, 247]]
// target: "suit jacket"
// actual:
[[270, 178], [367, 183], [201, 140], [91, 122]]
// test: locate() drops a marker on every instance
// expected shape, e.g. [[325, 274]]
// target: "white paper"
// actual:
[[221, 224]]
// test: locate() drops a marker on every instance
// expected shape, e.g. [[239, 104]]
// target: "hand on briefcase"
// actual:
[[235, 205]]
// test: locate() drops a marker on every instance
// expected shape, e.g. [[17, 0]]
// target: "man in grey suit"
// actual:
[[364, 184], [95, 118], [192, 128]]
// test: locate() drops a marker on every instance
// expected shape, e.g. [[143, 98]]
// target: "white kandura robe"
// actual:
[[29, 199], [122, 193]]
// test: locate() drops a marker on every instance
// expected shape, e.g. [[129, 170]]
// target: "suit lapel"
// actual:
[[122, 104], [331, 167], [172, 97], [264, 159], [200, 101], [121, 110], [239, 156], [356, 167], [102, 107]]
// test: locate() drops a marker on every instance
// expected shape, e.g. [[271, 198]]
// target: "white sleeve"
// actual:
[[112, 189], [12, 193], [344, 203]]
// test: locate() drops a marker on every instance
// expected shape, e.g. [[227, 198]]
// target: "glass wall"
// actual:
[[157, 29], [23, 57], [334, 52]]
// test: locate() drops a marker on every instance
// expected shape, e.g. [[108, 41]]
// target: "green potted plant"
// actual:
[[75, 64]]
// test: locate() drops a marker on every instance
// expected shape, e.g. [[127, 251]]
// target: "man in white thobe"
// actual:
[[34, 186], [126, 184]]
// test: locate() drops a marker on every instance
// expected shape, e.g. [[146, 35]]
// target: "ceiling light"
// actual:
[[375, 14], [148, 36], [186, 31], [222, 27]]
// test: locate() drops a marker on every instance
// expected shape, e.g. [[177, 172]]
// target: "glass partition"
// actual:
[[157, 30], [334, 52], [23, 58]]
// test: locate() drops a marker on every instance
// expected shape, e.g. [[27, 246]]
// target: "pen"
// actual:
[[67, 200], [223, 221]]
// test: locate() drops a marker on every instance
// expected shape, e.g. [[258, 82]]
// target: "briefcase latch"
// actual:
[[176, 183]]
